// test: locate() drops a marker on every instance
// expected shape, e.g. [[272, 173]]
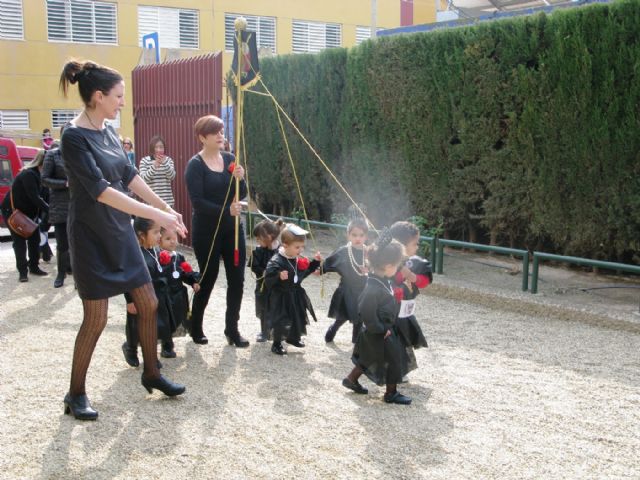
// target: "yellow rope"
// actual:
[[280, 109]]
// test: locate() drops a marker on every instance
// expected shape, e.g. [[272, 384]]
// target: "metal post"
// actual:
[[374, 18], [440, 258], [432, 253], [534, 274], [525, 272]]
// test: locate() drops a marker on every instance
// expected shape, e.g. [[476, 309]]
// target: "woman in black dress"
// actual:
[[105, 256], [212, 191]]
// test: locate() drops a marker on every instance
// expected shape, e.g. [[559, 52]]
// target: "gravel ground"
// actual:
[[512, 386]]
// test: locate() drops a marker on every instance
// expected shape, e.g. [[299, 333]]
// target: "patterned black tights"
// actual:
[[93, 323]]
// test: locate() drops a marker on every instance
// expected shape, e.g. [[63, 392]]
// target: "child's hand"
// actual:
[[196, 287], [131, 308], [284, 275], [387, 335], [408, 274], [318, 257]]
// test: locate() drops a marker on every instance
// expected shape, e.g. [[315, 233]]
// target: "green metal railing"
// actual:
[[437, 245], [524, 254], [537, 256]]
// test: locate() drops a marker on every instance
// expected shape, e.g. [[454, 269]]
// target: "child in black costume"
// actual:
[[287, 301], [148, 233], [349, 261], [412, 276], [180, 273], [266, 234], [379, 352]]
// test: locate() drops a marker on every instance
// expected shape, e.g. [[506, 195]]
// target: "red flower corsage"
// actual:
[[398, 293], [164, 258], [232, 167], [186, 268], [399, 277], [303, 263]]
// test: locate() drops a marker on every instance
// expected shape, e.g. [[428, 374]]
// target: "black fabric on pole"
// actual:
[[250, 66]]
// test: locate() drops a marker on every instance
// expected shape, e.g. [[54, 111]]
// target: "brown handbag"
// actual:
[[20, 223]]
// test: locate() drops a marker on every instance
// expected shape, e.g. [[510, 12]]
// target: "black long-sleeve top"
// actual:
[[207, 190], [26, 194], [55, 178]]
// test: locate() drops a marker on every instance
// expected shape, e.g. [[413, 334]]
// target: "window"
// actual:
[[313, 36], [61, 117], [265, 28], [177, 28], [82, 21], [364, 33], [14, 119], [11, 24]]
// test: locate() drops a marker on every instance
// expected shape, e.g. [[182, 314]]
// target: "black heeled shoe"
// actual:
[[201, 340], [167, 387], [79, 407], [278, 349], [239, 341]]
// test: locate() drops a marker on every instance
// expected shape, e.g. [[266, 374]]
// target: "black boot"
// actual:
[[167, 387], [79, 407], [130, 347], [63, 260], [331, 333]]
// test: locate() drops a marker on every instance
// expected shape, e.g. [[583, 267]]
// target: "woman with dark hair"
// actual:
[[105, 256], [212, 191], [55, 178], [26, 196], [158, 170]]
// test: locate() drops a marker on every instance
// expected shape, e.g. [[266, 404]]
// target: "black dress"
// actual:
[[258, 263], [344, 302], [178, 294], [105, 255], [287, 301], [384, 361], [408, 326]]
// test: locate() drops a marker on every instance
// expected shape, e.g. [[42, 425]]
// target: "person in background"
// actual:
[[158, 171], [47, 139], [26, 191], [55, 178], [127, 144]]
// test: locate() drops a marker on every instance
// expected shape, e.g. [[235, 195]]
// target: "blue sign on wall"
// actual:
[[151, 41]]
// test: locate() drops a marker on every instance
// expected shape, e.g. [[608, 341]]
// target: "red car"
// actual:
[[12, 159]]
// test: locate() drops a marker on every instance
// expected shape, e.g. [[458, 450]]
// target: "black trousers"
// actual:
[[62, 240], [222, 249], [23, 245]]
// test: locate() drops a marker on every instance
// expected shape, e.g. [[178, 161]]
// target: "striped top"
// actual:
[[159, 178]]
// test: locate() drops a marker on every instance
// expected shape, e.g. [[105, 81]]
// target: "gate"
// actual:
[[168, 98]]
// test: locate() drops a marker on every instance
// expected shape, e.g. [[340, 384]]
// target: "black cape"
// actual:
[[258, 264], [344, 302], [383, 360], [178, 294], [287, 302]]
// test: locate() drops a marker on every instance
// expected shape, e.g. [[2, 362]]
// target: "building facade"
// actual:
[[38, 36]]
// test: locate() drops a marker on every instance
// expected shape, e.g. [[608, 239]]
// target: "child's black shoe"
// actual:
[[296, 343], [167, 353], [278, 349], [355, 386], [397, 397], [261, 337], [130, 356]]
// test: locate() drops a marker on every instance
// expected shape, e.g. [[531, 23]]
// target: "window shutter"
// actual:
[[11, 22], [82, 21], [311, 37], [177, 28], [14, 119], [61, 117], [265, 28]]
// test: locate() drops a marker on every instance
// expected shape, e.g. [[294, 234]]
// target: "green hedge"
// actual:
[[523, 132]]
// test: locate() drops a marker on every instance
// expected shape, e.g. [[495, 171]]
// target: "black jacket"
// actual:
[[26, 195], [55, 178]]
